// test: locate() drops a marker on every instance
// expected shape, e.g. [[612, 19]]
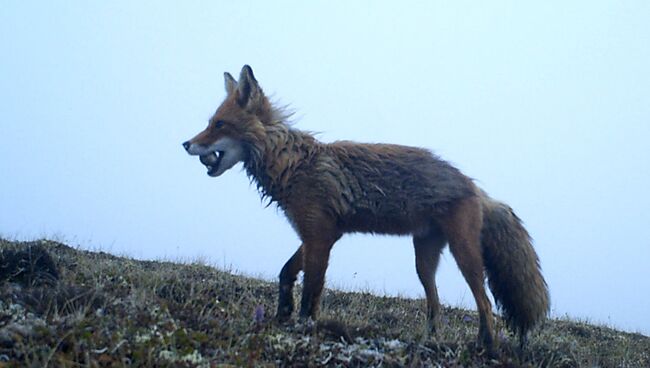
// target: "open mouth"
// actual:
[[212, 161]]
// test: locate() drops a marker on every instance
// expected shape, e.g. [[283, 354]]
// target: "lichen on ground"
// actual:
[[64, 307]]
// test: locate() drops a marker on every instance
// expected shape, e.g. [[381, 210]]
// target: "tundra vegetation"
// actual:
[[66, 307]]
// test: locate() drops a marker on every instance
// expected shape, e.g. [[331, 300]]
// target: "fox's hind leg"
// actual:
[[288, 277], [462, 227], [427, 254]]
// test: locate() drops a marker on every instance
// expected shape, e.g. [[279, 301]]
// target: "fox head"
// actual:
[[235, 126]]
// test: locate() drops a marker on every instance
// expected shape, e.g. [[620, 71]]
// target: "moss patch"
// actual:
[[65, 307]]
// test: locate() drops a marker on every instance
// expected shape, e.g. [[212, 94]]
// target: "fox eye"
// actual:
[[218, 124]]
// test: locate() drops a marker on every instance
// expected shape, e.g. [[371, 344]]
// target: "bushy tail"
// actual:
[[512, 267]]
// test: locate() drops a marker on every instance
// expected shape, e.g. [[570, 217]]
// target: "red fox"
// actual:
[[329, 189]]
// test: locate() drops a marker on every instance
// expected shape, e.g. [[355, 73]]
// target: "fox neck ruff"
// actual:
[[275, 156]]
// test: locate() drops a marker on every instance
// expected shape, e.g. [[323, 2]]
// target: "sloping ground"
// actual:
[[62, 307]]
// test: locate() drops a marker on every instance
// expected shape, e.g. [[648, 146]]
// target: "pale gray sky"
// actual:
[[546, 104]]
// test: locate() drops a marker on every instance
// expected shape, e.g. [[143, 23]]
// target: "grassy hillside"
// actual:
[[62, 307]]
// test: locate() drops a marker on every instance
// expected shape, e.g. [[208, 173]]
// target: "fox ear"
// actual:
[[248, 88], [230, 82]]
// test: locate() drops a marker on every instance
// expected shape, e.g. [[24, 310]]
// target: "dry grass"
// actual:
[[62, 307]]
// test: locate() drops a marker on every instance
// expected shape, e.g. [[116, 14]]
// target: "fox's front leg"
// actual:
[[315, 259], [288, 277]]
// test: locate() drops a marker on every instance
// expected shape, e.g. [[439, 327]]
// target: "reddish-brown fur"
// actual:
[[327, 190]]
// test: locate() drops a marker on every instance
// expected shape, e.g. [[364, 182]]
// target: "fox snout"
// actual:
[[218, 156], [196, 149]]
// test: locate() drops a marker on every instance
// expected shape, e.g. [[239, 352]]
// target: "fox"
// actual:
[[329, 189]]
